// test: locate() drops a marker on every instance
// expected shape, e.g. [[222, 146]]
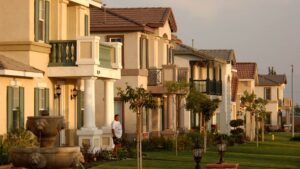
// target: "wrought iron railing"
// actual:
[[211, 87], [200, 85], [63, 53], [154, 77]]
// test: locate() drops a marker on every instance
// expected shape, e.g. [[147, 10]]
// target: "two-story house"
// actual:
[[271, 88], [49, 62], [247, 80], [211, 73], [147, 61]]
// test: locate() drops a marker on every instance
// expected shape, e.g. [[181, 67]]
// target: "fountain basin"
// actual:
[[46, 128], [47, 158]]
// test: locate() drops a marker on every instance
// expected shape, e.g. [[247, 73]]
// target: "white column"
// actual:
[[89, 103], [109, 101]]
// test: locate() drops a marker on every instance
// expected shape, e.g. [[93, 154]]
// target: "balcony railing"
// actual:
[[107, 56], [63, 53], [211, 87], [154, 76]]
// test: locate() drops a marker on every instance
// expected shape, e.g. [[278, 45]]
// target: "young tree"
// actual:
[[261, 114], [198, 102], [138, 99], [247, 101]]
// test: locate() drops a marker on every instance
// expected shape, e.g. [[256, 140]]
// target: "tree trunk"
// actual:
[[262, 130], [204, 135], [256, 128], [138, 139], [200, 122], [251, 132]]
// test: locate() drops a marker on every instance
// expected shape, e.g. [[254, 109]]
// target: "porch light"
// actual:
[[221, 148], [57, 91], [74, 93], [197, 153]]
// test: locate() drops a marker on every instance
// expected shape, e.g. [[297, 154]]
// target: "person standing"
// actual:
[[116, 133]]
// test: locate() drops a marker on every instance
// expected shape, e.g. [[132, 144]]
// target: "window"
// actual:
[[144, 64], [80, 109], [170, 57], [41, 100], [267, 93], [145, 115], [41, 20], [86, 25], [15, 107], [119, 109], [268, 118], [118, 38]]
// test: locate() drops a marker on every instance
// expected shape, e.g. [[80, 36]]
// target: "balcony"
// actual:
[[85, 57], [210, 87]]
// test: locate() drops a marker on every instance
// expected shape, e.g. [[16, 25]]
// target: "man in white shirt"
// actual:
[[116, 132]]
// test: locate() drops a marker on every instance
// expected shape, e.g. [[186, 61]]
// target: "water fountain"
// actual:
[[47, 156]]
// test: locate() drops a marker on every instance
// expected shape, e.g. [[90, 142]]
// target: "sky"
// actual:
[[263, 31]]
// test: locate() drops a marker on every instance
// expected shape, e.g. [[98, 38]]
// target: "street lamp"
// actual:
[[197, 153], [221, 149]]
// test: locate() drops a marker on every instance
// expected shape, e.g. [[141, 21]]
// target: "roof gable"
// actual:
[[227, 54], [247, 70], [131, 19]]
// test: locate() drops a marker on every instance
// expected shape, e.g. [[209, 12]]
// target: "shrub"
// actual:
[[157, 143], [236, 123], [21, 138], [295, 138], [122, 153], [237, 131], [3, 152]]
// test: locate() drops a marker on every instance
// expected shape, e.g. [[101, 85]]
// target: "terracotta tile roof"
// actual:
[[234, 86], [271, 80], [10, 64], [246, 70], [131, 19], [227, 54]]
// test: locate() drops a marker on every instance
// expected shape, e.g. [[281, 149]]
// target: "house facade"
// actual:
[[147, 62], [210, 73], [50, 62], [247, 80], [271, 88]]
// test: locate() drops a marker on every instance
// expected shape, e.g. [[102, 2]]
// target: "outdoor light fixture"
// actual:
[[221, 149], [74, 93], [197, 153], [57, 91]]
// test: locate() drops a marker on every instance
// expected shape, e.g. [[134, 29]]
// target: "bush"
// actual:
[[236, 123], [237, 131], [157, 144], [122, 153], [295, 138], [21, 138], [3, 152]]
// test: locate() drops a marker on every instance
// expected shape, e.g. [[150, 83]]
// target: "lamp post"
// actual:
[[221, 149], [292, 95], [197, 153], [74, 93]]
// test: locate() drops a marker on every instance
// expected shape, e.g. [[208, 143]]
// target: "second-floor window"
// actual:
[[144, 64], [170, 58], [41, 20], [41, 100], [118, 38], [267, 93]]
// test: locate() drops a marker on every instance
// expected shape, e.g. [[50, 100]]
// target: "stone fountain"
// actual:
[[47, 156]]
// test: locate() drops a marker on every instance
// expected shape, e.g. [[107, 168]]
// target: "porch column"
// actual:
[[89, 103], [109, 102]]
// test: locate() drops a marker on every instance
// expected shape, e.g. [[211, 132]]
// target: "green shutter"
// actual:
[[86, 25], [47, 99], [21, 104], [9, 101], [79, 113], [47, 14], [36, 20], [147, 54], [36, 101]]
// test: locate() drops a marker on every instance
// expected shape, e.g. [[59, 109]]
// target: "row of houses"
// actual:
[[69, 56]]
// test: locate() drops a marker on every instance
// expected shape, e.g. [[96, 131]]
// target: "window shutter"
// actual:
[[36, 20], [79, 113], [9, 101], [21, 104], [47, 99], [86, 25], [47, 14], [147, 54], [141, 53], [36, 101]]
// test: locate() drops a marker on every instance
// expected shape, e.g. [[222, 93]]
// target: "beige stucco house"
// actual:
[[147, 61], [271, 88], [211, 73], [50, 62], [247, 80]]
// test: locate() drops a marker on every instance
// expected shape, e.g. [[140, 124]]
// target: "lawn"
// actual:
[[278, 154]]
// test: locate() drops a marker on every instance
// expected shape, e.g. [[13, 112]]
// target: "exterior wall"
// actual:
[[22, 17]]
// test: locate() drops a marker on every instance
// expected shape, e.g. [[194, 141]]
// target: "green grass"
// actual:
[[278, 154]]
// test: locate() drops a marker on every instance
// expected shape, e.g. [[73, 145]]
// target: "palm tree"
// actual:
[[248, 101]]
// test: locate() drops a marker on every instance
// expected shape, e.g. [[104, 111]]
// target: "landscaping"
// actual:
[[278, 154]]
